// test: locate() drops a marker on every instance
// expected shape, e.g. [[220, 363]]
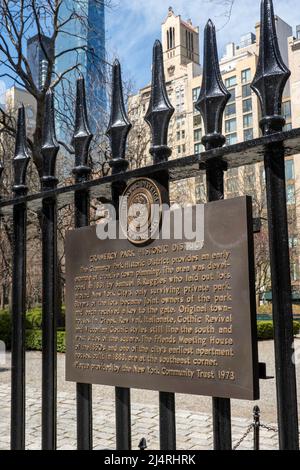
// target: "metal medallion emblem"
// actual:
[[141, 210]]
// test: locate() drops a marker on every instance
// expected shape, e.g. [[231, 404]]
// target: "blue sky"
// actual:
[[133, 25]]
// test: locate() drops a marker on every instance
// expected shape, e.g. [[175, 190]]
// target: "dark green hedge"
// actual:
[[34, 317], [33, 321], [265, 329], [34, 340]]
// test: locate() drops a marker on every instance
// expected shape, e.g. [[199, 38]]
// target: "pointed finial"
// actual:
[[21, 156], [119, 124], [271, 73], [143, 444], [82, 134], [213, 95], [50, 145], [160, 109]]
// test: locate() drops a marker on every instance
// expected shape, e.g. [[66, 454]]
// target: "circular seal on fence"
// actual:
[[140, 210]]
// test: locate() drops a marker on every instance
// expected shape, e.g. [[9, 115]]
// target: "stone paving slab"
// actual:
[[194, 430]]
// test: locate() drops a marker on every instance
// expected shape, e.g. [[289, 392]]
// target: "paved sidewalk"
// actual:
[[194, 430], [193, 413]]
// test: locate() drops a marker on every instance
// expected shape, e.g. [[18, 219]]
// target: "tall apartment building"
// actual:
[[180, 40], [36, 48], [83, 38]]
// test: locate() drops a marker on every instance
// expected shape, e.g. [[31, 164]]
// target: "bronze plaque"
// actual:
[[174, 315]]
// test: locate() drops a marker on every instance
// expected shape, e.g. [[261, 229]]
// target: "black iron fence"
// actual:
[[272, 148]]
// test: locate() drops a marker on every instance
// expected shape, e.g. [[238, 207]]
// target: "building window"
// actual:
[[178, 135], [179, 149], [197, 135], [196, 93], [195, 109], [288, 127], [286, 110], [293, 241], [231, 81], [246, 91], [230, 126], [289, 169], [230, 109], [294, 271], [248, 134], [171, 38], [183, 134], [198, 148], [246, 75], [197, 120], [247, 105], [200, 193], [290, 194], [231, 139], [232, 97], [183, 148], [249, 178], [232, 182], [247, 120]]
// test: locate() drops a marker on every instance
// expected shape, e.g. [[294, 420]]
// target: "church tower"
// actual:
[[180, 40]]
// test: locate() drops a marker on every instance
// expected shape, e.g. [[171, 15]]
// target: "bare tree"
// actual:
[[21, 19]]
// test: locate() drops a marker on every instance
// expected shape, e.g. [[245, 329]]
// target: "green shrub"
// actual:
[[34, 340], [265, 329], [34, 317], [5, 327], [33, 323]]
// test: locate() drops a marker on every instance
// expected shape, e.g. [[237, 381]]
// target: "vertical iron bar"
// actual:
[[83, 391], [256, 427], [82, 139], [20, 163], [282, 298], [18, 328], [49, 272], [211, 104], [158, 117], [167, 421], [118, 129], [123, 418], [221, 406], [268, 83], [49, 261]]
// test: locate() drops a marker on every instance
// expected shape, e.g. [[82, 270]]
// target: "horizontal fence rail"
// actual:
[[272, 148]]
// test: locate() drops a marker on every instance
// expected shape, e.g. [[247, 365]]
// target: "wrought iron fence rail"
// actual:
[[241, 154]]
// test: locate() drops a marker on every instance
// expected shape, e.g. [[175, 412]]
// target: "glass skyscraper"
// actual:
[[81, 47], [37, 58]]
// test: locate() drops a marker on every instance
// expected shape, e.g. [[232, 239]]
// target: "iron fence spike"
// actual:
[[119, 124], [50, 145], [21, 155], [213, 95], [160, 109], [271, 73], [143, 444], [82, 135]]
